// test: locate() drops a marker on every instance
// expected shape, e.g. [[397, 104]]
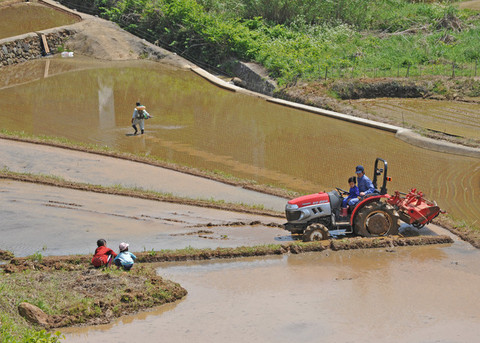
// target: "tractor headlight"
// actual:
[[291, 207]]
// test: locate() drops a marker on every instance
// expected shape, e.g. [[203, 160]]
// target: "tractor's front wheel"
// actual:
[[376, 219], [315, 232]]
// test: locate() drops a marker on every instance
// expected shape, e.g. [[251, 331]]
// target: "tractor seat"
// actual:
[[335, 199]]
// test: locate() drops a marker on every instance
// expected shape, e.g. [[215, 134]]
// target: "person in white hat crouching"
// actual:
[[125, 258]]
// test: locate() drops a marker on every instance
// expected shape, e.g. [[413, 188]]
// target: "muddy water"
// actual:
[[57, 221], [454, 118], [198, 124], [419, 294], [34, 17]]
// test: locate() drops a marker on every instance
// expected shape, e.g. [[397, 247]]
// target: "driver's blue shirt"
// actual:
[[365, 185]]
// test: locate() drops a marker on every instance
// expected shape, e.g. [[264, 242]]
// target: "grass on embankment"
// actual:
[[467, 232], [78, 262], [77, 294]]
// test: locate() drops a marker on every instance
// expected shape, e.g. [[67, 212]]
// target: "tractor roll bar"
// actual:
[[379, 171]]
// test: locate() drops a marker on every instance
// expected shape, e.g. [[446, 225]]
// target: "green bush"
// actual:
[[305, 39]]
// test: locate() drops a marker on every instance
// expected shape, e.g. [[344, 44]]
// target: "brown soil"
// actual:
[[6, 255], [105, 40]]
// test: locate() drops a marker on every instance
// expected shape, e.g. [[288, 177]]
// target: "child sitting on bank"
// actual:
[[125, 258], [353, 193], [103, 256]]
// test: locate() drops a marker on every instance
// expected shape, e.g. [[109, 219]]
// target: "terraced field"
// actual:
[[197, 124], [451, 117]]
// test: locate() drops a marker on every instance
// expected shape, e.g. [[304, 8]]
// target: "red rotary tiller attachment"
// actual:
[[414, 209]]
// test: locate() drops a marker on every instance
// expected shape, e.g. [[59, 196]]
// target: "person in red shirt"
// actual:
[[103, 256]]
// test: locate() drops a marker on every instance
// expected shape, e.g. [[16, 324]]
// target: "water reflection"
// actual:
[[198, 124], [106, 104]]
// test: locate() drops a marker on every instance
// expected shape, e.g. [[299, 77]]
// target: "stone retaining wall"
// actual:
[[28, 47]]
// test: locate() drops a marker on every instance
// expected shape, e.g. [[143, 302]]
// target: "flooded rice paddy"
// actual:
[[419, 294], [198, 124], [58, 221], [82, 167], [454, 118], [34, 17]]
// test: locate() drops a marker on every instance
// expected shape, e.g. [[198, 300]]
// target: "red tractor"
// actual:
[[320, 215]]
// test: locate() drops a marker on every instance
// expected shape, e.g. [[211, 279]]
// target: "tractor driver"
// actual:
[[365, 186]]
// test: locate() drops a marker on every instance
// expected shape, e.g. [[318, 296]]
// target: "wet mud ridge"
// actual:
[[74, 262]]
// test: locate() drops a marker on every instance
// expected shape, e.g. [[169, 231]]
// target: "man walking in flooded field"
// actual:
[[138, 117]]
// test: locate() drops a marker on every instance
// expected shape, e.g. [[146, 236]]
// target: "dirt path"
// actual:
[[105, 40]]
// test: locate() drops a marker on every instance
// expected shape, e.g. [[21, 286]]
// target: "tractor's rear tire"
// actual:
[[376, 219], [315, 232]]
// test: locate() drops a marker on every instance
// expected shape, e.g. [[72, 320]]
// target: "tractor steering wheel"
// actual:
[[341, 191]]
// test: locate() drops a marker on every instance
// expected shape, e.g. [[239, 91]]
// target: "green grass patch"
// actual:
[[80, 296]]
